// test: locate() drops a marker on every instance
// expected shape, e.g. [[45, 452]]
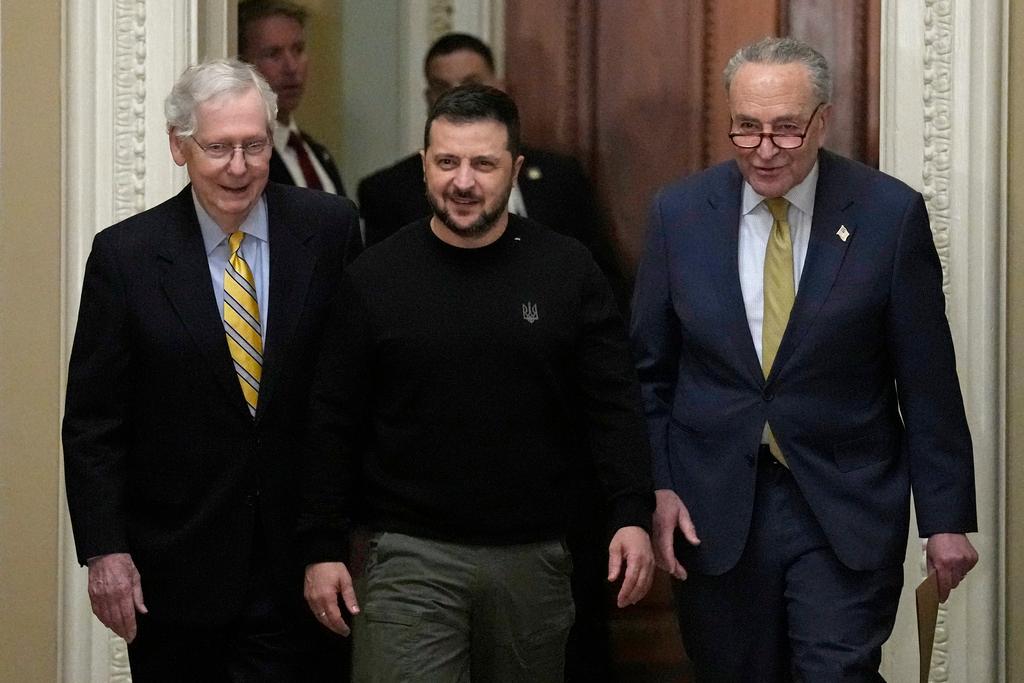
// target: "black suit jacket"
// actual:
[[863, 396], [162, 458], [555, 191], [279, 172]]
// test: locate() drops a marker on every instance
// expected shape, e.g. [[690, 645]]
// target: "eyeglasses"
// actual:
[[222, 150], [780, 140]]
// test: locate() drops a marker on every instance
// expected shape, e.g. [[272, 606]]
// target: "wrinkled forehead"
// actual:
[[244, 108], [771, 85]]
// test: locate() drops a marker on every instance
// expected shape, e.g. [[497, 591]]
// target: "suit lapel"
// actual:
[[724, 220], [186, 281], [291, 268], [825, 252]]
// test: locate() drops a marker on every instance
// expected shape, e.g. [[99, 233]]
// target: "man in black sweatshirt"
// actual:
[[475, 361]]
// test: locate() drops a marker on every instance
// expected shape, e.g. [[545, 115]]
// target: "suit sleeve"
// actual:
[[337, 432], [656, 342], [96, 410], [611, 403], [938, 438]]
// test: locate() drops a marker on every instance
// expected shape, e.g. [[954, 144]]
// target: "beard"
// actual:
[[483, 224]]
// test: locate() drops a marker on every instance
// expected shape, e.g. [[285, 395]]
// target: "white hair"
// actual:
[[211, 80]]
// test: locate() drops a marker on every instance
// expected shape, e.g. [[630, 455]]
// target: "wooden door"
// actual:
[[633, 89]]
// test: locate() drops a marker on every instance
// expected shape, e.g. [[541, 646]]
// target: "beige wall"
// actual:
[[320, 111], [1015, 353], [30, 333]]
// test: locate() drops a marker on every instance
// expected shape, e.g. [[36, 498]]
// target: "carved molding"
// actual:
[[937, 129], [130, 108]]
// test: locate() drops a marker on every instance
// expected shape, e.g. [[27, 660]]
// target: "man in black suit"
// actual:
[[272, 37], [550, 189], [187, 388]]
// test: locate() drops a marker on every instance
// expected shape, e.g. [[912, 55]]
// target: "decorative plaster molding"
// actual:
[[938, 130], [129, 108]]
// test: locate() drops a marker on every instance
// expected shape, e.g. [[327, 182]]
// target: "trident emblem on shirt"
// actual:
[[530, 313]]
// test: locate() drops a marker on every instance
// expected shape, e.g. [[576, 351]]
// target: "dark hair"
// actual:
[[250, 11], [454, 42], [474, 102]]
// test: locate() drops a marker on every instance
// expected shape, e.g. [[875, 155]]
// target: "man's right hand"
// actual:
[[115, 591], [670, 514], [324, 582]]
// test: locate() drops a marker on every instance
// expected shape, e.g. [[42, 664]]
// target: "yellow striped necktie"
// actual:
[[242, 322], [779, 293]]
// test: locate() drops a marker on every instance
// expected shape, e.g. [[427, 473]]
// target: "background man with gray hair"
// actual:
[[187, 388], [799, 380]]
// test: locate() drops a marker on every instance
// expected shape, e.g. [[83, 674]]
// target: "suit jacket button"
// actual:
[[767, 395]]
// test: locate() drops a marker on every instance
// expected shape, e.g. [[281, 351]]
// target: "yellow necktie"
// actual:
[[779, 292], [242, 322]]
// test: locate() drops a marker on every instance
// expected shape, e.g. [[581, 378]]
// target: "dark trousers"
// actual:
[[275, 639], [789, 610]]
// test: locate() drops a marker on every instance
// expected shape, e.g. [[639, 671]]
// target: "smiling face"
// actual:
[[226, 188], [469, 173], [276, 46], [776, 98]]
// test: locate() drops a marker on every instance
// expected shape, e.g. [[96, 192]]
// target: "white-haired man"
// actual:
[[188, 375]]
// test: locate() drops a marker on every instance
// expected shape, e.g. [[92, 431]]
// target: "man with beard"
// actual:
[[473, 361]]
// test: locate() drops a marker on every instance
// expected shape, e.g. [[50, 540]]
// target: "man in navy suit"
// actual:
[[186, 396], [799, 380], [272, 37]]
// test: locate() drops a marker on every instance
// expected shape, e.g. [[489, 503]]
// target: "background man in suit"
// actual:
[[799, 379], [550, 189], [272, 37], [187, 388], [477, 360]]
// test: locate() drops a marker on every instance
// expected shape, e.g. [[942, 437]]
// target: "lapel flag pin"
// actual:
[[843, 232]]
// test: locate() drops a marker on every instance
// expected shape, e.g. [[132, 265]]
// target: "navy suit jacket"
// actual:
[[162, 458], [863, 396]]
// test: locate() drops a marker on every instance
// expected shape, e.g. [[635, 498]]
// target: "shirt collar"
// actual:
[[800, 195], [282, 131], [255, 224]]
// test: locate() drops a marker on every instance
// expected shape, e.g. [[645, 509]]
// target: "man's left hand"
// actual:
[[950, 556], [631, 545]]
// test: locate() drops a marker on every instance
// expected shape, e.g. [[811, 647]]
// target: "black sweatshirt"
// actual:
[[459, 389]]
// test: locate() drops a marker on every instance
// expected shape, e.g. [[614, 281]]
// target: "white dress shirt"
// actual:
[[291, 160], [755, 226]]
